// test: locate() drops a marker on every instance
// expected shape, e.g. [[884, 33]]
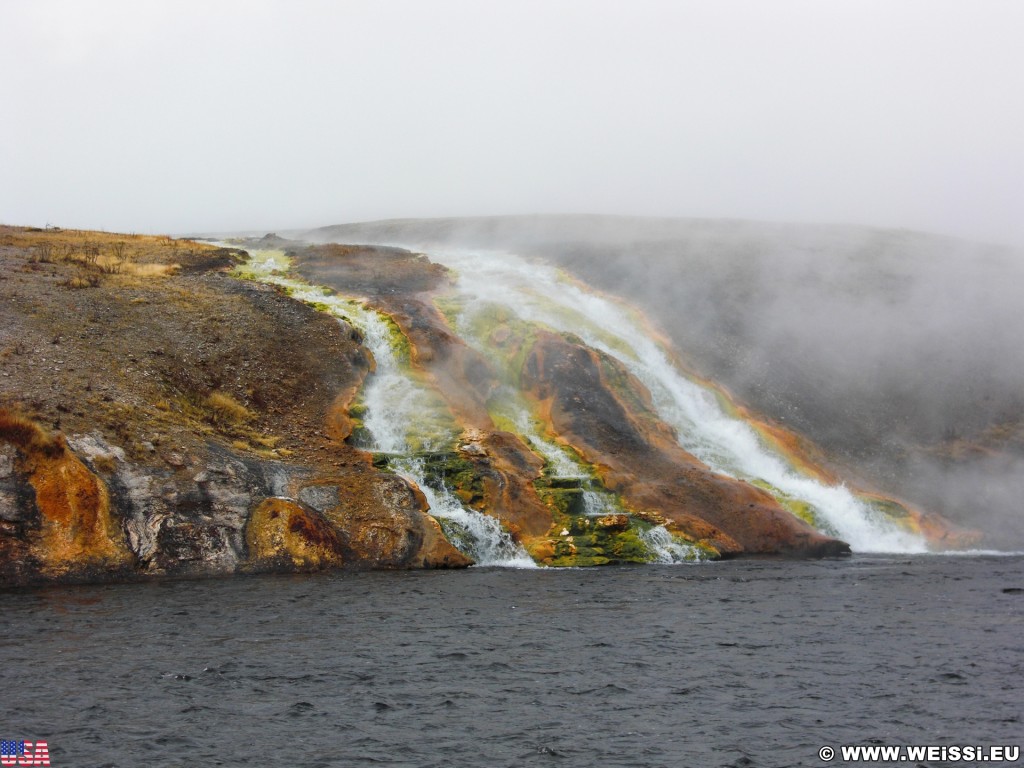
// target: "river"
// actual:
[[738, 663]]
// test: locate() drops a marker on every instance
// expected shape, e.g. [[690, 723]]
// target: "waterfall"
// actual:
[[401, 417], [478, 535], [394, 410], [667, 550], [596, 503], [537, 293], [508, 405], [404, 417]]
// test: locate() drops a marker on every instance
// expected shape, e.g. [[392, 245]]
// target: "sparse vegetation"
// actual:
[[96, 255], [224, 410], [42, 253], [84, 279], [26, 435], [171, 378]]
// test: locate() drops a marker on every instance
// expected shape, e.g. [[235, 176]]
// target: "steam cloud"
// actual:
[[895, 351]]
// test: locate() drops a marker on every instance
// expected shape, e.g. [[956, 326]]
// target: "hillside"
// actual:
[[178, 400], [177, 408], [896, 352]]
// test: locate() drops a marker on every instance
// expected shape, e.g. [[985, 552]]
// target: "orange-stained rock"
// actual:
[[286, 532], [461, 374], [613, 522], [508, 472], [542, 550], [599, 407], [75, 530], [338, 421], [436, 551], [506, 466], [381, 520]]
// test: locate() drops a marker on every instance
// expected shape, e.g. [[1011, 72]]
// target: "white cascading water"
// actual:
[[666, 549], [538, 293], [395, 403], [596, 504], [560, 462], [478, 535], [397, 416], [563, 465]]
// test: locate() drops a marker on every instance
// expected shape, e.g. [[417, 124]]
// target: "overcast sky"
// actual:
[[214, 115]]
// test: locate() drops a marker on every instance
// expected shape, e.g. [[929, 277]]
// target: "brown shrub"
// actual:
[[25, 434], [104, 463], [82, 281], [223, 409]]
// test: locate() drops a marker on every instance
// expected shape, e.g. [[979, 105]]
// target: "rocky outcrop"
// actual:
[[84, 512], [492, 471], [58, 520], [591, 403], [509, 471], [285, 533], [197, 424]]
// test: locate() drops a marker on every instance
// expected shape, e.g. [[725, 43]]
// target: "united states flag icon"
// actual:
[[24, 753]]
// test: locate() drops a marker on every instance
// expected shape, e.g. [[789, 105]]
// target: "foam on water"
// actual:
[[979, 553]]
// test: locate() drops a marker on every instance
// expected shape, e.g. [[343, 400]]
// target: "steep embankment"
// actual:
[[153, 409], [896, 352], [530, 385]]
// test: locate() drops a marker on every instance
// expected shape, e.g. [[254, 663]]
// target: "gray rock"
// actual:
[[95, 446], [7, 454], [321, 497]]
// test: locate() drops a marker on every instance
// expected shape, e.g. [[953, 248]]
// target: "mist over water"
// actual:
[[537, 293]]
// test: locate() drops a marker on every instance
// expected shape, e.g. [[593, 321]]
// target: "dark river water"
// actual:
[[749, 663]]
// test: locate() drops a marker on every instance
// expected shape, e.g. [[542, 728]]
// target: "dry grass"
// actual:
[[82, 281], [151, 270], [224, 410], [102, 253], [26, 435]]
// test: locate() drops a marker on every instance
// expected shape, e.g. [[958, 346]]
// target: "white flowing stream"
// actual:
[[538, 293], [401, 417]]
